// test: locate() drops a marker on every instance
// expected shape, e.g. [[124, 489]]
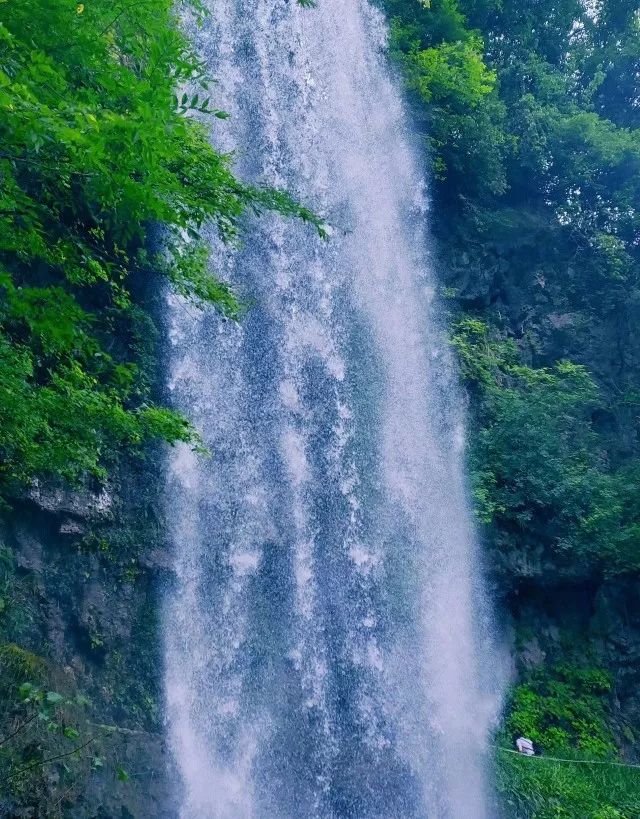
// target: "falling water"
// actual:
[[327, 649]]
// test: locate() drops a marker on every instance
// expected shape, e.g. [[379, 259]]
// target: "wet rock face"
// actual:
[[83, 503], [84, 573]]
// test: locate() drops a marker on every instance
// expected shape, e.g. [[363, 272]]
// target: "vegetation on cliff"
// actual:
[[96, 149], [531, 119], [106, 179]]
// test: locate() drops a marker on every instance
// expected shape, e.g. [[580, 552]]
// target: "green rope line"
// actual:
[[578, 761]]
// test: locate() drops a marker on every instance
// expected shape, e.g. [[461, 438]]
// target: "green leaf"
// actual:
[[122, 775], [26, 691]]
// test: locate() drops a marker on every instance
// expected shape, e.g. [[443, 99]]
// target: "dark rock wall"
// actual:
[[84, 574]]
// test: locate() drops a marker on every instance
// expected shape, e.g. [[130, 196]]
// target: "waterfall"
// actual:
[[328, 650]]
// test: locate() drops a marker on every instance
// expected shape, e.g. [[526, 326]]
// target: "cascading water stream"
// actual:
[[327, 646]]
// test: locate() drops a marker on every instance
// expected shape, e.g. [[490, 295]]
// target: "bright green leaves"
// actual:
[[63, 399], [564, 710], [58, 427], [546, 789], [189, 275], [444, 66], [52, 319], [454, 73], [95, 149]]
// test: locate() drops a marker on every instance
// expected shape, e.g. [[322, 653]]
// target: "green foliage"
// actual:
[[49, 748], [96, 148], [452, 73], [462, 118], [43, 736], [566, 712], [541, 788], [19, 664], [530, 115], [531, 109], [541, 483]]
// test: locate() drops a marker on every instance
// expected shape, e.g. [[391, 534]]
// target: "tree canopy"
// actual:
[[96, 149]]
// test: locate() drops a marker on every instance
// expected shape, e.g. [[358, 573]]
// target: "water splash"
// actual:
[[328, 651]]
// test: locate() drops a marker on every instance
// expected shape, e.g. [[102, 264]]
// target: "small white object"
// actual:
[[525, 746]]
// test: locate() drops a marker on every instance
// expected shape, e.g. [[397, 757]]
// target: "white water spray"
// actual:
[[327, 647]]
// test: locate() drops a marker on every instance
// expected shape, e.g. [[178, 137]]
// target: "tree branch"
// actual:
[[41, 763], [18, 730]]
